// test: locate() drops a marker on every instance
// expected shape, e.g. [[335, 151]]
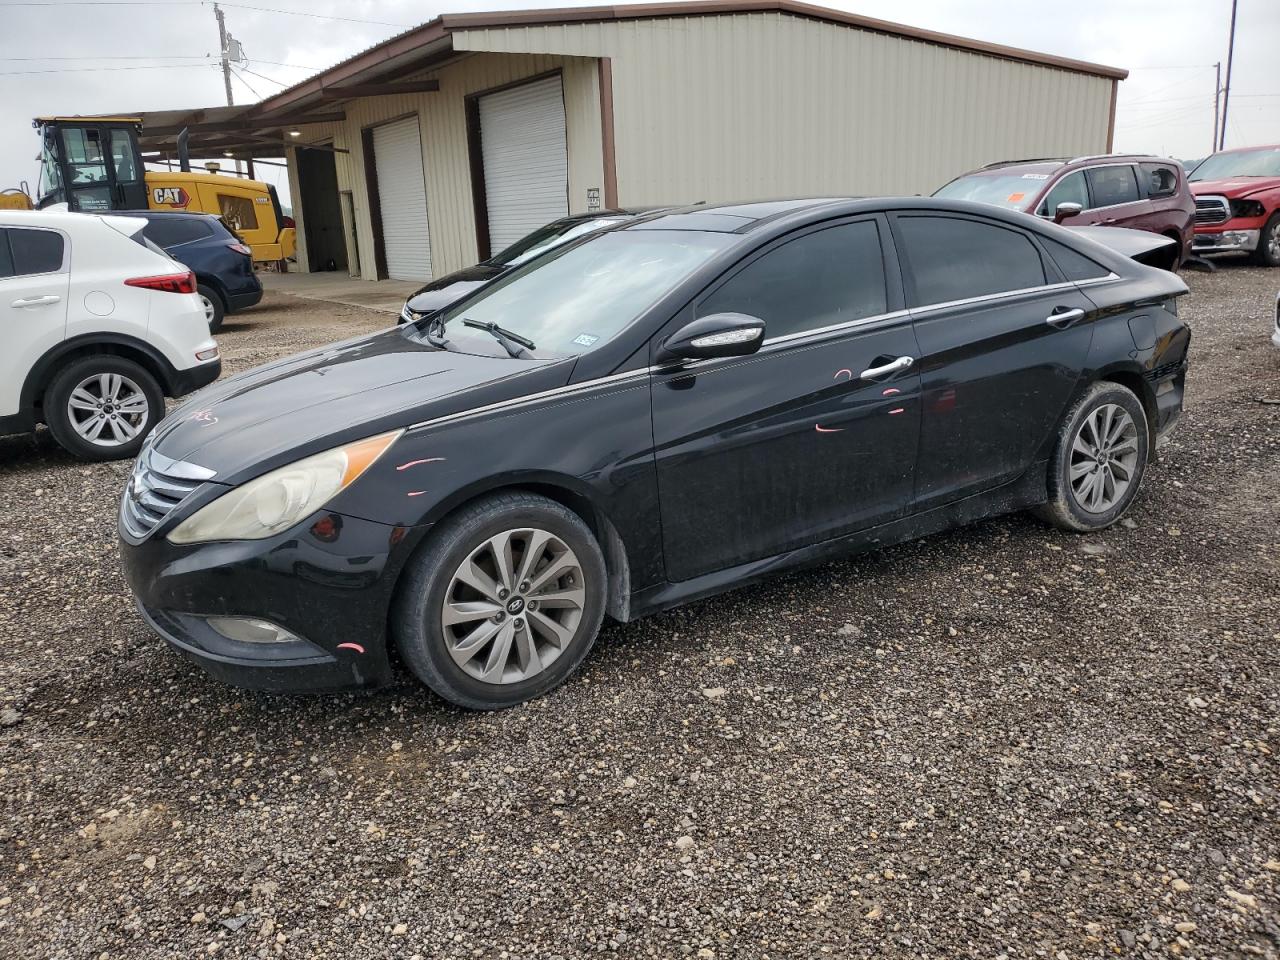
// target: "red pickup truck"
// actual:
[[1238, 204]]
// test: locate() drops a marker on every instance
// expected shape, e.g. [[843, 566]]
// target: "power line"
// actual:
[[174, 56], [195, 3], [153, 66], [264, 76], [236, 73]]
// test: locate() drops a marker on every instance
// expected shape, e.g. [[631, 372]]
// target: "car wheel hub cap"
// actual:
[[513, 606], [1104, 457], [107, 409]]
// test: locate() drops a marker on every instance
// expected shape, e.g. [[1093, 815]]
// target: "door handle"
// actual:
[[1062, 319], [897, 366], [35, 301]]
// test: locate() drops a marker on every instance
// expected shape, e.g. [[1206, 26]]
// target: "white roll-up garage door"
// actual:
[[526, 163], [402, 197]]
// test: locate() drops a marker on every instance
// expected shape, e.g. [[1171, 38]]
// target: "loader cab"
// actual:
[[92, 165]]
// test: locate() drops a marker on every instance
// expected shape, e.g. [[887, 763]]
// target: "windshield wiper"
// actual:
[[513, 343]]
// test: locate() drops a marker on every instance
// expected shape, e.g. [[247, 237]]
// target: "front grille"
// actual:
[[156, 486], [1210, 210]]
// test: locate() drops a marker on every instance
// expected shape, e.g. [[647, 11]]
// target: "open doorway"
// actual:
[[321, 210]]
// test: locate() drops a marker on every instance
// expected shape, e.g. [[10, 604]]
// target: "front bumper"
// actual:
[[329, 581], [1226, 241]]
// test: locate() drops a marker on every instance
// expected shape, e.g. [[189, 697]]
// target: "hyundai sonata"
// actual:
[[652, 413]]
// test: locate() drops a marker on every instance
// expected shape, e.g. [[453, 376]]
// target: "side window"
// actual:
[[1112, 185], [122, 156], [6, 258], [35, 251], [1162, 181], [1070, 189], [954, 259], [1074, 266], [238, 212], [823, 278]]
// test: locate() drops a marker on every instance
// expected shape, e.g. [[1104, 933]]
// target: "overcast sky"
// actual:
[[59, 57]]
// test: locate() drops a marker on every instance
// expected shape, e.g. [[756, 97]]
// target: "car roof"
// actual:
[[1050, 164], [58, 219], [728, 217], [165, 214]]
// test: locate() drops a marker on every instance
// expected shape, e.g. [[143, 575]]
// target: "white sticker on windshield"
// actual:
[[585, 339], [1035, 176]]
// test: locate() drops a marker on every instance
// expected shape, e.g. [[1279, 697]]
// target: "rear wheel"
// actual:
[[1099, 460], [1268, 252], [214, 309], [503, 602], [102, 407]]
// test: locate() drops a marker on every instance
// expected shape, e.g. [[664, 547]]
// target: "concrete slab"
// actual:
[[385, 295]]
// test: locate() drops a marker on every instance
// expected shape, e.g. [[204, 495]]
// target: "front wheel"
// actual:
[[1268, 252], [502, 603], [102, 407], [1099, 460]]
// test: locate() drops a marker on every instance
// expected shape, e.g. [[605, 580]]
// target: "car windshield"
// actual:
[[1242, 163], [580, 296], [544, 238], [1012, 190]]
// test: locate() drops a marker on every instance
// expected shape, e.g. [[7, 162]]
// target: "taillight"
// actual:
[[240, 248], [169, 283]]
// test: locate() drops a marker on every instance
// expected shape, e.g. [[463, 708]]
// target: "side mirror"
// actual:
[[1064, 210], [719, 335]]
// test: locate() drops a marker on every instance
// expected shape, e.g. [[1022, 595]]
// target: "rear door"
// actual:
[[33, 303], [1003, 339], [1115, 197], [808, 439]]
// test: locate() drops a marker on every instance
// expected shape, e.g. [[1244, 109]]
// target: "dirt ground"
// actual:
[[1002, 741]]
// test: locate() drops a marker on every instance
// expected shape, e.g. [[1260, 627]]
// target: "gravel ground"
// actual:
[[1001, 741]]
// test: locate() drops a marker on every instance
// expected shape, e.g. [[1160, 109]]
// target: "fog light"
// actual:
[[207, 354], [251, 630]]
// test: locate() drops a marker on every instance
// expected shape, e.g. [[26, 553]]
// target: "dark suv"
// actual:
[[1113, 190], [221, 261]]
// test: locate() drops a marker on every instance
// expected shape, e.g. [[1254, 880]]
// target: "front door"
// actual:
[[1002, 345], [810, 438]]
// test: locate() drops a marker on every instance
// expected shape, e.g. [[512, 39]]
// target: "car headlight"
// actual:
[[277, 500]]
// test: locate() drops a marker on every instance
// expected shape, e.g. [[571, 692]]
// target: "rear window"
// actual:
[[169, 232], [1074, 265], [35, 251], [955, 259], [1112, 185]]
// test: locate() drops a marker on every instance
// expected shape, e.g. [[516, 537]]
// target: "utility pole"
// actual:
[[1226, 90], [224, 51], [1217, 104]]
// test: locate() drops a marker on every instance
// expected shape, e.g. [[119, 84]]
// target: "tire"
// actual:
[[1268, 252], [1084, 505], [90, 381], [214, 309], [484, 661]]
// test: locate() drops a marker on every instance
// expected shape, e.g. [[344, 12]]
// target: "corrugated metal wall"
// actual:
[[747, 106], [444, 147]]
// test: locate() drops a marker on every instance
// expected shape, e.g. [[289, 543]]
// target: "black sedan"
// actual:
[[655, 412], [449, 289]]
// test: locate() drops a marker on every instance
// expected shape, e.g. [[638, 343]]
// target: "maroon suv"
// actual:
[[1143, 193]]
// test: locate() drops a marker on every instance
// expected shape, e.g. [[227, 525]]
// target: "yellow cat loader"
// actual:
[[93, 164]]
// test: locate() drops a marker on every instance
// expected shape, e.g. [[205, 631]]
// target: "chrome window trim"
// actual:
[[832, 328], [1003, 295]]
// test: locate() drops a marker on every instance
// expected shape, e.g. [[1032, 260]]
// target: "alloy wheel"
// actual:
[[107, 409], [1273, 244], [513, 606], [210, 314], [1104, 458]]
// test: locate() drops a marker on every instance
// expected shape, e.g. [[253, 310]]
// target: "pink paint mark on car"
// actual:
[[415, 493], [351, 646], [890, 392], [414, 463], [846, 371], [821, 429], [897, 410]]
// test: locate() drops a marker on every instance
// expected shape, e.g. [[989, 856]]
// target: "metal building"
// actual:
[[441, 145]]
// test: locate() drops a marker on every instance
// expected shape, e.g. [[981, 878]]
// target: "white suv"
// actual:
[[97, 326]]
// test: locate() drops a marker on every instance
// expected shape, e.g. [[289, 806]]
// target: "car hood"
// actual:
[[1234, 188], [303, 404]]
